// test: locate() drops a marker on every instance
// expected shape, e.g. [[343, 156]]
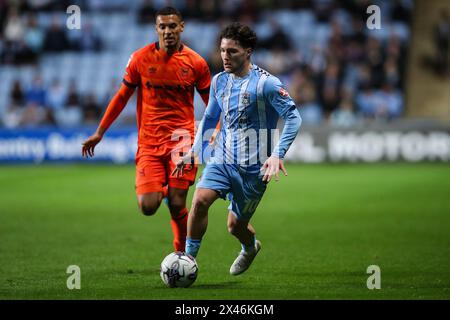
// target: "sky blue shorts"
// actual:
[[244, 189]]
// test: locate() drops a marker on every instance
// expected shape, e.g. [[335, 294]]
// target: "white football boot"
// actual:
[[244, 260]]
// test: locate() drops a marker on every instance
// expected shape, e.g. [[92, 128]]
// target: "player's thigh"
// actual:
[[216, 177], [151, 175], [203, 199], [246, 194]]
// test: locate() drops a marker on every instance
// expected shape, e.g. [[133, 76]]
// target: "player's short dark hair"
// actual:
[[167, 11], [240, 33]]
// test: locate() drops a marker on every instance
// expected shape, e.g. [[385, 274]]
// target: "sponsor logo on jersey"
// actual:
[[184, 72], [163, 86], [245, 99]]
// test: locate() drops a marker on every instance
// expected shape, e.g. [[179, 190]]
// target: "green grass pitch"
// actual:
[[320, 228]]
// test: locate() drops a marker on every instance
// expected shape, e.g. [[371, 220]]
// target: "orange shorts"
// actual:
[[153, 172]]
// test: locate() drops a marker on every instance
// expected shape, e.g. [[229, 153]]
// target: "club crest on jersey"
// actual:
[[184, 72], [283, 93], [245, 98]]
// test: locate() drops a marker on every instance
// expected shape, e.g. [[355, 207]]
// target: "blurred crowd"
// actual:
[[354, 77], [351, 78], [439, 61], [53, 105], [23, 38]]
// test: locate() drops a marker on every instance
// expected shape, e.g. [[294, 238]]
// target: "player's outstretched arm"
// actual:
[[115, 107]]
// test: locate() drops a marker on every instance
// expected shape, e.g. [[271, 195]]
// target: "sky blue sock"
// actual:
[[249, 248], [192, 246]]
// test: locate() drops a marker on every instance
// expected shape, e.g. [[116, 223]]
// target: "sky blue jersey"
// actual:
[[249, 109]]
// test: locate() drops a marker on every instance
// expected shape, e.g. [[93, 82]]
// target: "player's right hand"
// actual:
[[181, 165], [89, 145]]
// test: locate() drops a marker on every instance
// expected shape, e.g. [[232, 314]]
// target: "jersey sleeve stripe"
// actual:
[[260, 101], [130, 85]]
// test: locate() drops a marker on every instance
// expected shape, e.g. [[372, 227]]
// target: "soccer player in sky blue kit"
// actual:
[[248, 101]]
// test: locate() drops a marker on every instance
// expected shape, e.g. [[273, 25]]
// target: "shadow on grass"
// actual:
[[209, 286]]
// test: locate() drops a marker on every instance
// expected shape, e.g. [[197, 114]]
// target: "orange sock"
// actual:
[[179, 228]]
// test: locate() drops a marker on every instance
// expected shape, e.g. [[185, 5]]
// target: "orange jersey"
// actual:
[[165, 84]]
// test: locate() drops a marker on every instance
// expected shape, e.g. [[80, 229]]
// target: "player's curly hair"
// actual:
[[241, 33], [167, 11]]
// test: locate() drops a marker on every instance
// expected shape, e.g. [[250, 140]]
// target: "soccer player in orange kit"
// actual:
[[165, 74]]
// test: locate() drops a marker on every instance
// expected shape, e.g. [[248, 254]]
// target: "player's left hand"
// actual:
[[271, 167]]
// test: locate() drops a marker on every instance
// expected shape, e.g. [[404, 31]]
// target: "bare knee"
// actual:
[[176, 208], [201, 204], [203, 199], [176, 204], [149, 209], [149, 206], [233, 227]]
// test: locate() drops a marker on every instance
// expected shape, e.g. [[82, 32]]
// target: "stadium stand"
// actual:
[[337, 70], [428, 82]]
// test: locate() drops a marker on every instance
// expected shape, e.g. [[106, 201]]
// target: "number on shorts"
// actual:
[[250, 206]]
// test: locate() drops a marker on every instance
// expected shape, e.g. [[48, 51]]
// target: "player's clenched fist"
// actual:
[[89, 145], [271, 167]]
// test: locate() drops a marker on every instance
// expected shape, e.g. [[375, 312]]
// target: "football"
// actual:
[[178, 270]]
